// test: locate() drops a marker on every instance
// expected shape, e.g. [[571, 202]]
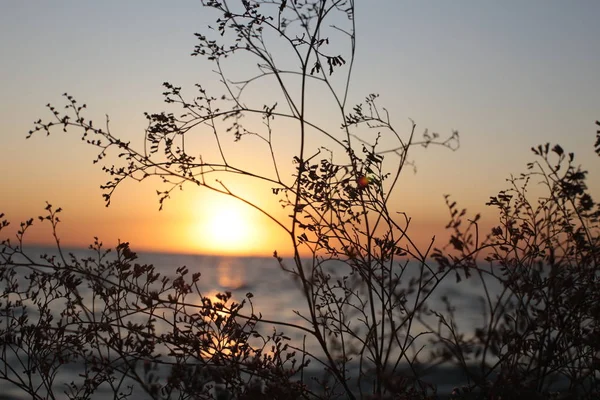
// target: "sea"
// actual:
[[277, 296]]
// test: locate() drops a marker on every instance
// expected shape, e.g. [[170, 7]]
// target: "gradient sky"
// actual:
[[507, 75]]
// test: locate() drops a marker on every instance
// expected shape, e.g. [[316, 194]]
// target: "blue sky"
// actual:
[[507, 75]]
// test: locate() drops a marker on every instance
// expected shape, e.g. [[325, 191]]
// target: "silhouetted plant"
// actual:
[[132, 325], [541, 331], [366, 284]]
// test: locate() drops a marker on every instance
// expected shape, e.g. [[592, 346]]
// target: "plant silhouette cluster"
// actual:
[[370, 291]]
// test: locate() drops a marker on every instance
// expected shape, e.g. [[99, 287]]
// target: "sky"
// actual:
[[507, 75]]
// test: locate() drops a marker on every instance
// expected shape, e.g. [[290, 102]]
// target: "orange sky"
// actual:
[[505, 76]]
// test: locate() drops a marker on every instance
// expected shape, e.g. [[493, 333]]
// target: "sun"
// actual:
[[228, 225], [224, 226], [217, 224]]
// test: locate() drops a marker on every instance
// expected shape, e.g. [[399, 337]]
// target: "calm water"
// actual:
[[277, 296]]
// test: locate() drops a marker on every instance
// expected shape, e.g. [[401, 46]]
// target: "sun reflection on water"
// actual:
[[231, 273]]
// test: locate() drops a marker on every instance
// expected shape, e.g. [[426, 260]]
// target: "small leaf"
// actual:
[[558, 150]]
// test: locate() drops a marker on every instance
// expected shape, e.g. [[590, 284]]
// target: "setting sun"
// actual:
[[224, 225], [229, 226]]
